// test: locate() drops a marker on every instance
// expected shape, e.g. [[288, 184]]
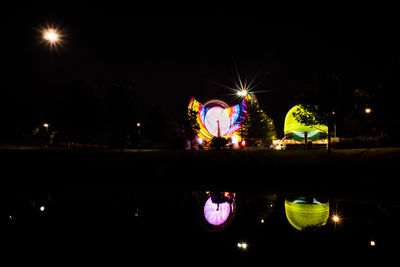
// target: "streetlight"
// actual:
[[52, 36], [335, 218], [367, 110], [242, 245], [242, 93], [138, 125]]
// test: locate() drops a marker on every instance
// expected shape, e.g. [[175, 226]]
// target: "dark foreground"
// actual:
[[362, 172], [123, 208]]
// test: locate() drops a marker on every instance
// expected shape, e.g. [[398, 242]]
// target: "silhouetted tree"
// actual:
[[256, 124], [191, 126], [323, 99]]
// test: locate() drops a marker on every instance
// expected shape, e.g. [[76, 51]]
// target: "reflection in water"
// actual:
[[306, 213], [248, 226], [218, 209], [216, 213]]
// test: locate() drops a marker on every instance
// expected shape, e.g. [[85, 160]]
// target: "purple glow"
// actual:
[[216, 215]]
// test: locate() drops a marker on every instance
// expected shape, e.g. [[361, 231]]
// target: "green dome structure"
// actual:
[[298, 130], [301, 214]]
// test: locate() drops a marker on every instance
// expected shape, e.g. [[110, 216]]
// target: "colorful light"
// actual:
[[216, 214], [217, 117], [216, 114], [292, 126]]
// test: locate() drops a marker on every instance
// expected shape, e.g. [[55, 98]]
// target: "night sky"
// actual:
[[171, 57]]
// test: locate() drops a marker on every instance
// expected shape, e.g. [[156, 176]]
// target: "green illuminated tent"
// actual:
[[298, 130]]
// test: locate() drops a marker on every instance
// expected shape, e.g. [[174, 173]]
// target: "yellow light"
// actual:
[[368, 110], [336, 218], [372, 243], [51, 35], [302, 215], [242, 245]]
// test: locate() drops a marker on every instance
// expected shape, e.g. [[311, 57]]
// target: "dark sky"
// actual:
[[171, 58]]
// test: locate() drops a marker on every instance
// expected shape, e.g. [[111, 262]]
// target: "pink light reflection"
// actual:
[[216, 215]]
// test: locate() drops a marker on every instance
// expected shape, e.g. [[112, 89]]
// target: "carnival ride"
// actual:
[[296, 133], [217, 119]]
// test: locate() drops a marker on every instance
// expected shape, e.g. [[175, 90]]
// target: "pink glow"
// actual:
[[216, 214]]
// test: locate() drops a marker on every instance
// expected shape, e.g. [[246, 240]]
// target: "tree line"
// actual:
[[362, 108]]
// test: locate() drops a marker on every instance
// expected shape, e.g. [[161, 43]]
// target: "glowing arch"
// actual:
[[292, 126]]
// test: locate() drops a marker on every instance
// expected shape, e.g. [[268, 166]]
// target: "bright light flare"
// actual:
[[51, 36], [335, 218], [367, 110], [242, 245], [242, 93]]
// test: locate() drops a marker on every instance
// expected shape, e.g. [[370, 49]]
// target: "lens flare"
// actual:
[[51, 36]]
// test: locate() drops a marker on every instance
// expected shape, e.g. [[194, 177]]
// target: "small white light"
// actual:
[[242, 93], [372, 243], [262, 220], [234, 140], [244, 245], [239, 245], [42, 208]]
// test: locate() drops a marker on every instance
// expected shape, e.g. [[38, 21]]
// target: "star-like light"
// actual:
[[52, 36]]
